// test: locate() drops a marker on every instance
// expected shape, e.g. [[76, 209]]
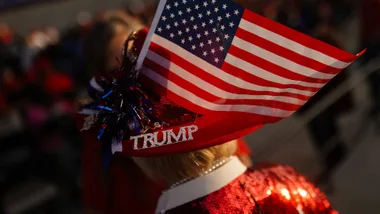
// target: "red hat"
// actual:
[[159, 121]]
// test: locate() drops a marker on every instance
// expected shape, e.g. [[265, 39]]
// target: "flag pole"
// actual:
[[145, 48]]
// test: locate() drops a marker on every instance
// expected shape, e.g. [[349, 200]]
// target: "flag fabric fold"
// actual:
[[231, 69], [215, 57]]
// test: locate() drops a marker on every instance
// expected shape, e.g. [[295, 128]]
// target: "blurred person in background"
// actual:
[[35, 41], [52, 35], [104, 43], [71, 44], [133, 22], [11, 71], [143, 11], [370, 37], [40, 94], [111, 191], [324, 127], [6, 34], [47, 110]]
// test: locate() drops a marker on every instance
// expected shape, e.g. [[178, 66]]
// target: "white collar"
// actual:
[[200, 186]]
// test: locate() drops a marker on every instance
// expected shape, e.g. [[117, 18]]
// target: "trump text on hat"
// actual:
[[166, 137]]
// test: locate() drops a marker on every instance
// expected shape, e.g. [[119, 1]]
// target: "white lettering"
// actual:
[[135, 141], [163, 141], [191, 130], [168, 137], [180, 137], [148, 138]]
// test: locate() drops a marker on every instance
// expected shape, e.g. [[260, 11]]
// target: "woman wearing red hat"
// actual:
[[107, 192], [193, 154], [198, 178]]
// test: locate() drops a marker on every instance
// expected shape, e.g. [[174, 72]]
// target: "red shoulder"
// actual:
[[269, 189]]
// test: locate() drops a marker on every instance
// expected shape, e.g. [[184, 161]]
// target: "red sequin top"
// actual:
[[270, 189]]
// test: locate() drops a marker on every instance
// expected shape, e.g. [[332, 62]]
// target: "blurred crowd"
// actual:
[[44, 74]]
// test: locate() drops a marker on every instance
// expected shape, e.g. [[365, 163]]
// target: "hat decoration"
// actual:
[[124, 108]]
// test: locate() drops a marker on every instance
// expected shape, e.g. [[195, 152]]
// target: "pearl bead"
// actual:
[[214, 166]]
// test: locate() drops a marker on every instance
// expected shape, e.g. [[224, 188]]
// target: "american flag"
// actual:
[[214, 56]]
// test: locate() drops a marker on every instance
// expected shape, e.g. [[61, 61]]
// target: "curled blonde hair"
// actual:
[[174, 168]]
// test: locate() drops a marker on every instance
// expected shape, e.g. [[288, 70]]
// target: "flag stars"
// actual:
[[200, 27]]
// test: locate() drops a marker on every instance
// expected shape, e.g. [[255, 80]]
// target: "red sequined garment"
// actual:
[[269, 189]]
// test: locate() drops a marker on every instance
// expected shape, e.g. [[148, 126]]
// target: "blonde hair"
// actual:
[[174, 168]]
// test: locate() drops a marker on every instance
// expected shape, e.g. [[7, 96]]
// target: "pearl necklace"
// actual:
[[215, 165]]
